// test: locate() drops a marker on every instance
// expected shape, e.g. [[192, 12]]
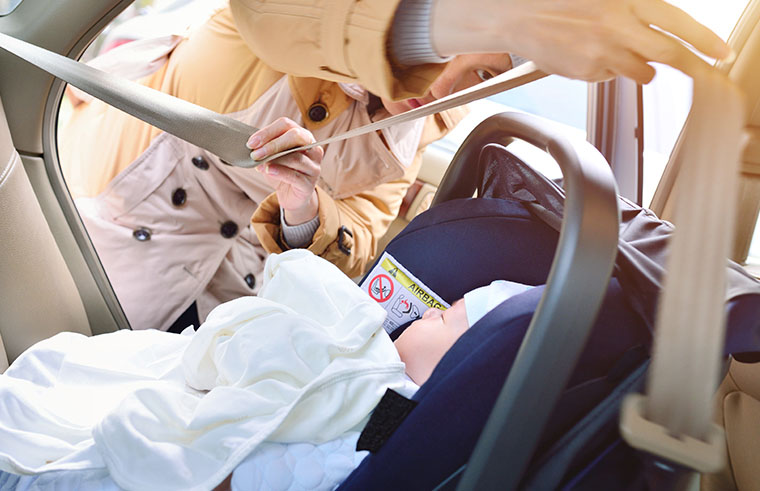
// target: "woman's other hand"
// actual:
[[293, 176], [585, 39]]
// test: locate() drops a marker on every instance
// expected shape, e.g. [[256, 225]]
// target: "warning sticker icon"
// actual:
[[380, 288], [397, 291], [405, 308]]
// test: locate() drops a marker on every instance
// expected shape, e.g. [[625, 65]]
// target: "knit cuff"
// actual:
[[410, 42], [296, 236], [517, 60]]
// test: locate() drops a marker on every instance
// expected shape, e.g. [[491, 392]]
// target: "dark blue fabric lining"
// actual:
[[469, 243], [461, 245]]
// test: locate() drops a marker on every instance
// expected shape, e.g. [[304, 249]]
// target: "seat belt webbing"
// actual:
[[674, 419], [219, 134]]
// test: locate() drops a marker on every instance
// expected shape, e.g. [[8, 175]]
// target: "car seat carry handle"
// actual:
[[575, 288], [222, 135], [674, 419]]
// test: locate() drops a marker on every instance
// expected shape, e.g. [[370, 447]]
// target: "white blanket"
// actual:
[[271, 467], [307, 360]]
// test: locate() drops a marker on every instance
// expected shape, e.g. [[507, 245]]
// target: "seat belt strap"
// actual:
[[674, 419], [219, 134], [510, 79], [222, 135]]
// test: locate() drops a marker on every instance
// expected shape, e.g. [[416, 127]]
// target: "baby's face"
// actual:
[[423, 344]]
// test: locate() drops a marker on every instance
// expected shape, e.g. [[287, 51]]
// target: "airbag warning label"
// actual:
[[399, 292]]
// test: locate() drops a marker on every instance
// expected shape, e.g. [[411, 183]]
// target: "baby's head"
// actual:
[[422, 345]]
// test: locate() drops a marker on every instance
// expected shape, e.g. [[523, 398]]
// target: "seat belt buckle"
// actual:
[[640, 433]]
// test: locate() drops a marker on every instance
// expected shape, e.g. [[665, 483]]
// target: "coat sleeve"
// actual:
[[349, 228], [338, 40]]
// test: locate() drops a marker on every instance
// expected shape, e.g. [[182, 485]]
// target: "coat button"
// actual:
[[200, 162], [250, 280], [317, 112], [179, 197], [342, 232], [141, 234], [229, 229]]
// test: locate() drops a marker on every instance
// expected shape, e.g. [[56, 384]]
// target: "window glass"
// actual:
[[143, 19], [8, 6], [113, 36], [667, 98], [116, 34], [754, 250], [557, 98]]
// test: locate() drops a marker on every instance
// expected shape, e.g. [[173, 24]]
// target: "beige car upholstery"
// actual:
[[39, 297], [420, 194], [746, 73], [3, 356]]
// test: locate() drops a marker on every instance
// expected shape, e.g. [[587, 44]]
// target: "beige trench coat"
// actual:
[[171, 225], [351, 37]]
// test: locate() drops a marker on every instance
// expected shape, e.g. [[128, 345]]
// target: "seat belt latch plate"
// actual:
[[640, 433]]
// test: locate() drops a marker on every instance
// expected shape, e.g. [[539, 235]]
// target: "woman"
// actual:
[[170, 222]]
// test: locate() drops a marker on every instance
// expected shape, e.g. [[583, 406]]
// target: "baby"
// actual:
[[422, 345]]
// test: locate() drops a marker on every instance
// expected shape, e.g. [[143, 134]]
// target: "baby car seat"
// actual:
[[510, 231]]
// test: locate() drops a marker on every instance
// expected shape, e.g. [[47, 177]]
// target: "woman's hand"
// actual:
[[293, 176], [586, 39]]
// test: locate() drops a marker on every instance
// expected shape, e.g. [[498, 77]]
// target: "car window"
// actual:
[[559, 99], [548, 97]]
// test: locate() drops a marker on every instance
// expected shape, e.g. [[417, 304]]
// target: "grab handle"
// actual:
[[576, 285]]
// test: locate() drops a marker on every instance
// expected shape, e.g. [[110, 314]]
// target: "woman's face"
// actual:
[[422, 345], [462, 72]]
